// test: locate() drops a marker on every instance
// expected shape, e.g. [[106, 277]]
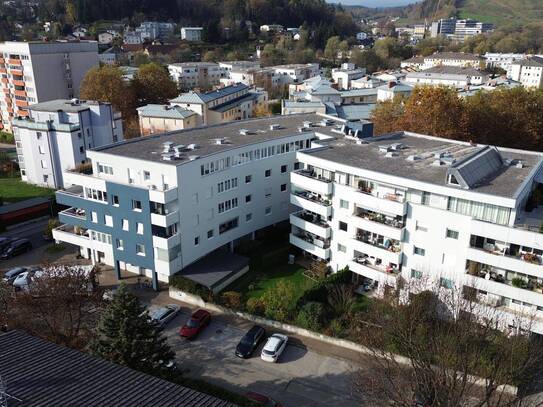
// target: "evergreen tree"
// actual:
[[127, 336]]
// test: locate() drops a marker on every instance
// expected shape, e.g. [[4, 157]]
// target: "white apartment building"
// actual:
[[459, 59], [57, 134], [32, 72], [529, 72], [404, 206], [196, 74], [228, 66], [161, 118], [456, 77], [298, 72], [503, 61], [345, 74], [191, 33], [272, 28], [156, 205], [234, 102]]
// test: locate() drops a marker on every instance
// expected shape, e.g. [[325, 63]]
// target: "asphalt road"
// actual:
[[32, 231], [301, 377]]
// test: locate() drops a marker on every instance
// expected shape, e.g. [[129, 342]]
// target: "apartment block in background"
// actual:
[[32, 72], [190, 75], [191, 33], [56, 136], [161, 118], [528, 71]]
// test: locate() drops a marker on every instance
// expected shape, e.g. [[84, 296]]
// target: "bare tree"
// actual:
[[437, 346], [60, 304]]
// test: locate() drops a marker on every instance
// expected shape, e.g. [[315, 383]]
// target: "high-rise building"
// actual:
[[33, 72]]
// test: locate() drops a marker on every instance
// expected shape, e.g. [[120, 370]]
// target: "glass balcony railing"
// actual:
[[312, 218], [311, 196], [393, 221], [313, 174], [378, 241]]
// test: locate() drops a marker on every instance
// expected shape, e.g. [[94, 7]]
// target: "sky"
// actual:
[[374, 3]]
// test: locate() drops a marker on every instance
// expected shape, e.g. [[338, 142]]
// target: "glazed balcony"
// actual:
[[308, 179], [387, 225], [311, 244], [312, 223], [312, 202]]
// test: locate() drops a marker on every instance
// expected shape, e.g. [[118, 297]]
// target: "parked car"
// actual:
[[165, 314], [11, 275], [262, 399], [196, 323], [250, 341], [274, 347], [4, 242], [16, 248], [23, 280]]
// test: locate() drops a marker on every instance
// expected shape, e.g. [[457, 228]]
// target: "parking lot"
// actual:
[[302, 377]]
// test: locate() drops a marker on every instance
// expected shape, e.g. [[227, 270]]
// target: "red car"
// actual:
[[198, 321], [262, 399]]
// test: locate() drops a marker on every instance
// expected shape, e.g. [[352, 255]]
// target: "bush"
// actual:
[[55, 248], [255, 306], [279, 301], [311, 316], [51, 224], [7, 138], [231, 299], [189, 286], [319, 292]]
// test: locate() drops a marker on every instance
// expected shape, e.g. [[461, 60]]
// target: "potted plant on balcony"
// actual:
[[531, 258], [519, 282], [48, 232]]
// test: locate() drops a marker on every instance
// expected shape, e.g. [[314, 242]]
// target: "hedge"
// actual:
[[319, 292], [192, 287]]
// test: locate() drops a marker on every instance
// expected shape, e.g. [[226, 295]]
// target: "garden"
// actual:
[[308, 296]]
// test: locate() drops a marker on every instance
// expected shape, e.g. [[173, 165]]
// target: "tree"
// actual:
[[435, 347], [153, 84], [106, 84], [261, 110], [57, 306], [279, 301], [311, 316], [332, 48], [367, 59], [127, 336]]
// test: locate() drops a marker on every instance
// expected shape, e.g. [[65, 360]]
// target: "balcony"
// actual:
[[164, 220], [371, 268], [382, 203], [312, 202], [385, 225], [309, 180], [75, 213], [312, 223], [164, 195], [389, 250], [166, 242], [72, 234], [311, 244]]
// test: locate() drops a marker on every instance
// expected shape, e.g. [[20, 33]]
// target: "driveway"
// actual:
[[302, 377]]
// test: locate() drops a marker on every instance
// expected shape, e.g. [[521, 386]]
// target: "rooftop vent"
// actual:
[[178, 148], [448, 160], [193, 157], [307, 124], [439, 154], [391, 154], [396, 146], [413, 158], [326, 122], [275, 126], [193, 146], [384, 149], [303, 128], [220, 141], [167, 146], [437, 163], [168, 156], [75, 101], [244, 132], [519, 164]]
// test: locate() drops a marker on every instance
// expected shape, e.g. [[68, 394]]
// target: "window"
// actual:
[[228, 205], [296, 166], [343, 204], [41, 149], [343, 226], [125, 225], [108, 220], [452, 234], [196, 240], [229, 225], [283, 187], [119, 244], [248, 179], [248, 217], [420, 226], [104, 169], [416, 274], [81, 149], [248, 198], [45, 177], [94, 217], [210, 233], [419, 251], [446, 283], [341, 248], [38, 135], [115, 200], [136, 205], [267, 173], [268, 210], [227, 185], [140, 249], [425, 199], [146, 175], [43, 164], [283, 169], [139, 228]]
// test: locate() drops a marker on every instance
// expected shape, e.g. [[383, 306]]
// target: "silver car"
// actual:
[[165, 314]]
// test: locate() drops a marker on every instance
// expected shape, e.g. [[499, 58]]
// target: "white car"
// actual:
[[275, 345], [23, 280], [165, 314]]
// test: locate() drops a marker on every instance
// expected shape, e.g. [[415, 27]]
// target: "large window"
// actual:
[[480, 210], [229, 225]]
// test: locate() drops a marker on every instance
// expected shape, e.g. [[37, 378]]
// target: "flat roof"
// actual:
[[215, 268], [66, 105], [37, 372], [367, 156], [150, 147]]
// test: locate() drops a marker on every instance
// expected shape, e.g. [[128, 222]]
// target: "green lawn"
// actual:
[[14, 189], [259, 279]]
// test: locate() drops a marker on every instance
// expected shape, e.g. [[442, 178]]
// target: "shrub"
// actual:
[[279, 301], [189, 286], [231, 299], [311, 316], [7, 138], [255, 306], [55, 248], [341, 299], [51, 224], [337, 328], [319, 292]]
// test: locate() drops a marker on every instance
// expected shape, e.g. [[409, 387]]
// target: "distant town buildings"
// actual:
[[191, 33], [348, 72], [56, 135], [457, 77], [458, 59], [459, 30], [190, 75], [149, 31], [503, 61], [271, 28], [33, 72]]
